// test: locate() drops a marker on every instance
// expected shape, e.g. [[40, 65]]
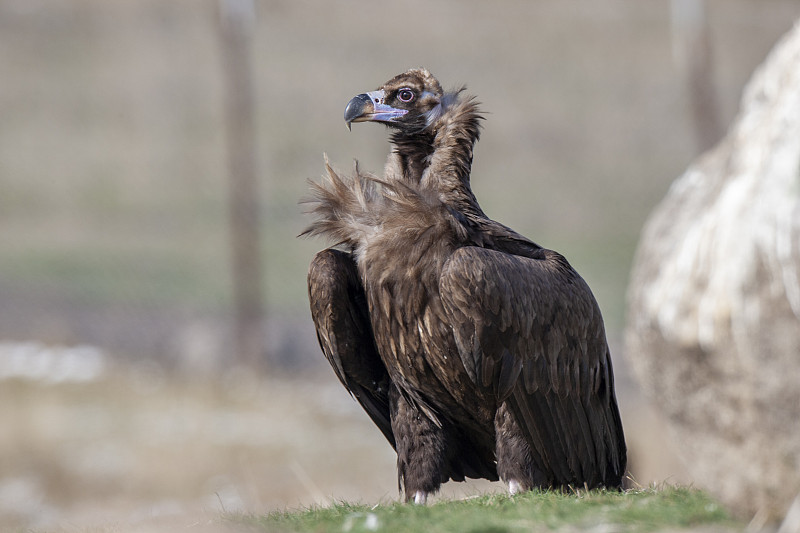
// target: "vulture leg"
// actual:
[[421, 449], [514, 464]]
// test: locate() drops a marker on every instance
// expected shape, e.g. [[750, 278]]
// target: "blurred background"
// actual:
[[157, 356]]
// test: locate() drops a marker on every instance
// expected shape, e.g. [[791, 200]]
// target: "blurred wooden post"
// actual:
[[236, 21], [692, 49]]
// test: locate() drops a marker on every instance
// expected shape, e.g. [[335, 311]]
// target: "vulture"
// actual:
[[476, 352]]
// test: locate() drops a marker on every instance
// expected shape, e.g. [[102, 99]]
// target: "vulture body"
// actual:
[[475, 351]]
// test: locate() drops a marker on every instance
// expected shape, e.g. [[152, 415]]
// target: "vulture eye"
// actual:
[[405, 95]]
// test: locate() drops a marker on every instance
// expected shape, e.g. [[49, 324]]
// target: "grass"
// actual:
[[673, 508]]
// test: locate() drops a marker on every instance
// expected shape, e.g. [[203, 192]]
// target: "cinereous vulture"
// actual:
[[475, 351]]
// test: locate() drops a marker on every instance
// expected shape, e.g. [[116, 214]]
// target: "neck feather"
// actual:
[[448, 172], [411, 154], [441, 160]]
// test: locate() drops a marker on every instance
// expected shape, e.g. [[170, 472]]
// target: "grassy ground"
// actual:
[[674, 509]]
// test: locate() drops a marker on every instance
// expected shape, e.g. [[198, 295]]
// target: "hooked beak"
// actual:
[[370, 107]]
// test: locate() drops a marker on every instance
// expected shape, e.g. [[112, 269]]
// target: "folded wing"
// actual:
[[529, 329], [339, 310]]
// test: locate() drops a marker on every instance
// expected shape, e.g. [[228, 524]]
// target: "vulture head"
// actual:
[[410, 103]]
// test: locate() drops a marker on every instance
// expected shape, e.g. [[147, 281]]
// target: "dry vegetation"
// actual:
[[136, 446], [112, 221]]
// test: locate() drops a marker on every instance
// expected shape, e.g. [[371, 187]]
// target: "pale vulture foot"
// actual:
[[420, 498]]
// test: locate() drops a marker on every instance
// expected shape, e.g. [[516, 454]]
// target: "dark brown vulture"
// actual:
[[475, 351]]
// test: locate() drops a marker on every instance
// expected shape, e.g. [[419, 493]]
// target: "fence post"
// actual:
[[692, 49], [236, 21]]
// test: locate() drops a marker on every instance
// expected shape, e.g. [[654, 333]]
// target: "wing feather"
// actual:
[[341, 317], [529, 330]]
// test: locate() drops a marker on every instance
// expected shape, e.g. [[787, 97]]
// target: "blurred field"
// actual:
[[113, 223], [93, 443], [134, 446]]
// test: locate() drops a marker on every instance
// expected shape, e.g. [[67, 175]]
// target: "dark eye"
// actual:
[[405, 95]]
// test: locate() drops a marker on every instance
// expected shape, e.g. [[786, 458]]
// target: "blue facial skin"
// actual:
[[370, 107]]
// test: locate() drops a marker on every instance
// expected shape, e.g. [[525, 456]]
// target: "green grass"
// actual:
[[670, 508]]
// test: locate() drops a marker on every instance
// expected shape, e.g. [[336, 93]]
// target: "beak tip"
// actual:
[[356, 108]]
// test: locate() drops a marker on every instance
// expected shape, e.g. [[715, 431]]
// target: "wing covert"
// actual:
[[529, 330]]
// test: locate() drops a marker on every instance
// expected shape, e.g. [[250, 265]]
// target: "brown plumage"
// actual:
[[475, 351]]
